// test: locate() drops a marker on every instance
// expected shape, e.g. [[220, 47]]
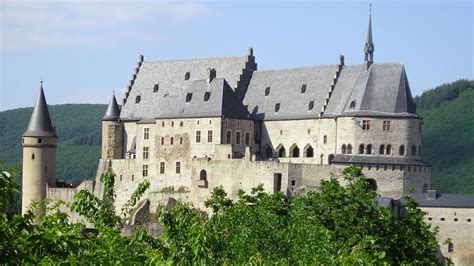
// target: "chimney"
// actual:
[[341, 60], [211, 74], [431, 195]]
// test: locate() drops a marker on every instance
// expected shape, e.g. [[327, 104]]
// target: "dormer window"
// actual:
[[311, 105], [138, 99], [207, 95], [267, 91], [187, 75], [155, 88], [303, 88], [189, 96], [353, 105], [277, 107]]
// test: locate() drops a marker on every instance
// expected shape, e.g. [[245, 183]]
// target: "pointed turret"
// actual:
[[369, 45], [40, 123], [113, 110]]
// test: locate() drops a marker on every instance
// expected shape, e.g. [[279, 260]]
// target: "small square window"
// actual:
[[293, 183], [40, 140], [366, 124]]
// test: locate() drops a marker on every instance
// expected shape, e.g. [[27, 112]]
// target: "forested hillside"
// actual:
[[448, 135], [78, 128]]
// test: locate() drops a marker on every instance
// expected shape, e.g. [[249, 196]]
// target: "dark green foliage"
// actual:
[[336, 226], [448, 136], [78, 127]]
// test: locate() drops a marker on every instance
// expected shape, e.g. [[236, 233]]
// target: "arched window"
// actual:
[[203, 175], [322, 158], [382, 149], [401, 151], [281, 152], [361, 149], [349, 149], [450, 247], [343, 149], [295, 151], [372, 184], [413, 150], [368, 150], [330, 158], [309, 151], [389, 149], [268, 152]]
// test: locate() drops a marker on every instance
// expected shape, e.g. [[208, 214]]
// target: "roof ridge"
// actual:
[[195, 59]]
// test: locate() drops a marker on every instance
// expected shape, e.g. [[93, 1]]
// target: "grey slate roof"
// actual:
[[382, 90], [40, 122], [169, 75], [222, 101], [370, 159], [444, 200], [285, 88], [113, 111]]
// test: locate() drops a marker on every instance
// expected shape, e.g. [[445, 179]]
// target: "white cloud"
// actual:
[[37, 24]]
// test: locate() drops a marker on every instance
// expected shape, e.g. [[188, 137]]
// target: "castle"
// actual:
[[191, 125]]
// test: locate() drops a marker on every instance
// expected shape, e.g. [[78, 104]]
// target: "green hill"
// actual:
[[78, 128], [448, 135]]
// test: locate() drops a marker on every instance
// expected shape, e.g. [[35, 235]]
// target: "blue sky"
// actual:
[[85, 49]]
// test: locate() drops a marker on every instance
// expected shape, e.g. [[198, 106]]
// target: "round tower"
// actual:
[[39, 154], [112, 132]]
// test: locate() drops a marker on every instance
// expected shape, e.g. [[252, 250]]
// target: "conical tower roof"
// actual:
[[40, 122], [113, 110]]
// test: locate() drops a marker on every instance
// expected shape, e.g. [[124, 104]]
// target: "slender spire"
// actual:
[[369, 45], [40, 122], [113, 110]]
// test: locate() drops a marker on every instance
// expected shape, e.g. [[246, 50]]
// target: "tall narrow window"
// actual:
[[162, 141], [145, 153], [401, 151], [366, 124], [343, 149], [162, 167], [247, 138], [389, 149], [198, 136], [181, 141], [187, 75], [32, 156], [277, 107], [311, 105], [178, 167], [229, 137], [325, 139], [172, 141], [349, 149], [267, 91], [237, 138], [413, 150], [382, 149], [189, 96], [146, 133], [209, 136], [145, 170], [155, 88], [369, 149], [361, 149], [303, 88], [386, 125], [450, 247]]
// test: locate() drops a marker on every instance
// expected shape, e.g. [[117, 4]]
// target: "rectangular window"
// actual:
[[162, 167], [325, 139], [386, 125], [162, 141], [209, 136], [198, 136], [178, 167], [145, 153], [247, 138], [146, 133], [229, 137], [366, 124], [237, 138], [145, 170]]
